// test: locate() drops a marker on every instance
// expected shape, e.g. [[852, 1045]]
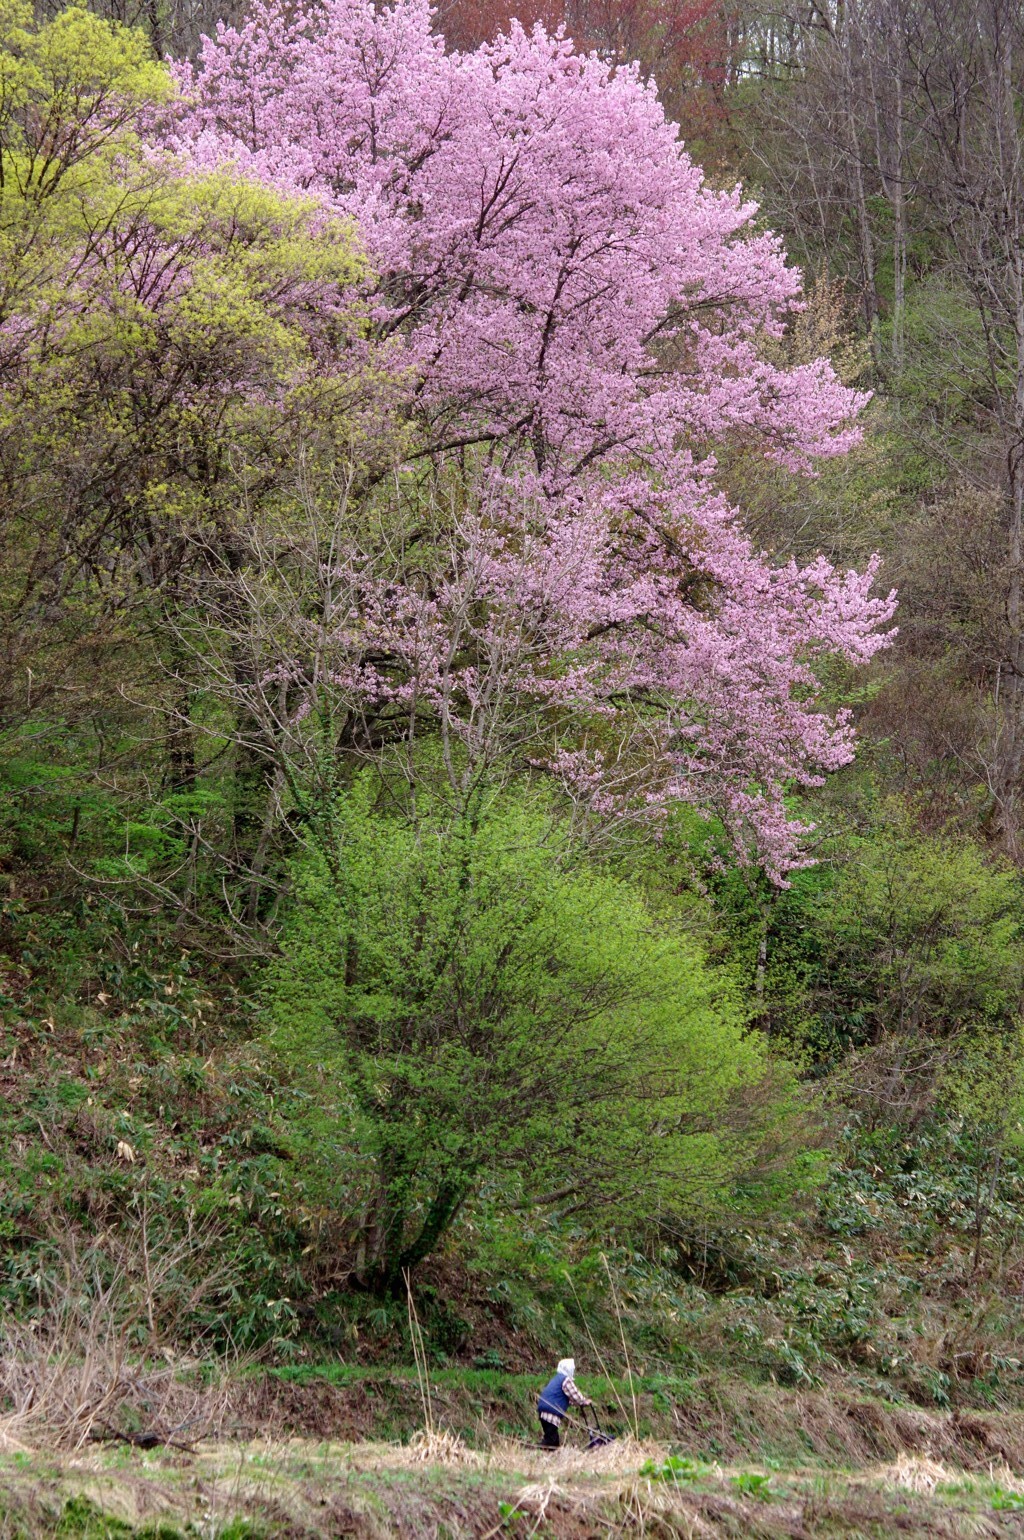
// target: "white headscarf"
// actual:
[[567, 1368]]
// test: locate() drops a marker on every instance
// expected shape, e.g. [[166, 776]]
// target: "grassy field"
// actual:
[[435, 1488], [691, 1458], [710, 1417]]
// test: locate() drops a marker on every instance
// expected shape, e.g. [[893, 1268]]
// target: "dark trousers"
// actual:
[[549, 1434]]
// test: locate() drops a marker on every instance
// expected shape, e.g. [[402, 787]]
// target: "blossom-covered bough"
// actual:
[[573, 321]]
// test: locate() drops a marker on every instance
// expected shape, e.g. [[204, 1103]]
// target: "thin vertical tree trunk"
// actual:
[[1011, 190], [899, 230], [851, 47]]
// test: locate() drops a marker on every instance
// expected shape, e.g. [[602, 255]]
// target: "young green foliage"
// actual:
[[983, 1089], [487, 1008]]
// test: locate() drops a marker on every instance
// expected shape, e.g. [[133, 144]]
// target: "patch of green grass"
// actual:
[[678, 1469], [500, 1381], [752, 1483], [81, 1519]]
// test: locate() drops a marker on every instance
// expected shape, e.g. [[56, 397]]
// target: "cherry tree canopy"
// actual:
[[575, 320]]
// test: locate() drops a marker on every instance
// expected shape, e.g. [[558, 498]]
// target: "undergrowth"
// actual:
[[147, 1137]]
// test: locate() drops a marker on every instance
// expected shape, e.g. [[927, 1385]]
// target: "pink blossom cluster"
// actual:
[[577, 320]]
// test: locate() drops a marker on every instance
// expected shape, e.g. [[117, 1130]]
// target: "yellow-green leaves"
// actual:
[[168, 337], [248, 245], [70, 91], [241, 215], [478, 1006], [71, 164]]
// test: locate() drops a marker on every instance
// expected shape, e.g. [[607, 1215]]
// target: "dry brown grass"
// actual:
[[507, 1456], [63, 1393], [623, 1455], [294, 1486], [436, 1446], [913, 1473], [87, 1364], [10, 1443]]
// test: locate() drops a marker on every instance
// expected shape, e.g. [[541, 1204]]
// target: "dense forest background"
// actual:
[[776, 1123]]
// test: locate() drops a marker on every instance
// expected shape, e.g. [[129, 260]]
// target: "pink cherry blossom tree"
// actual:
[[572, 322]]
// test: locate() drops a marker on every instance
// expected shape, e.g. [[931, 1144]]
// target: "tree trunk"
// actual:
[[394, 1255], [1010, 726]]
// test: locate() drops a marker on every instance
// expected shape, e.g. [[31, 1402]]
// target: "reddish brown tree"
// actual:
[[691, 48]]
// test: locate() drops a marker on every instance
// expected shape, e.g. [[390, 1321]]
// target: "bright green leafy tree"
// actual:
[[476, 1006]]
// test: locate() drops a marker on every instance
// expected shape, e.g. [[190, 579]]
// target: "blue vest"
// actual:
[[553, 1398]]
